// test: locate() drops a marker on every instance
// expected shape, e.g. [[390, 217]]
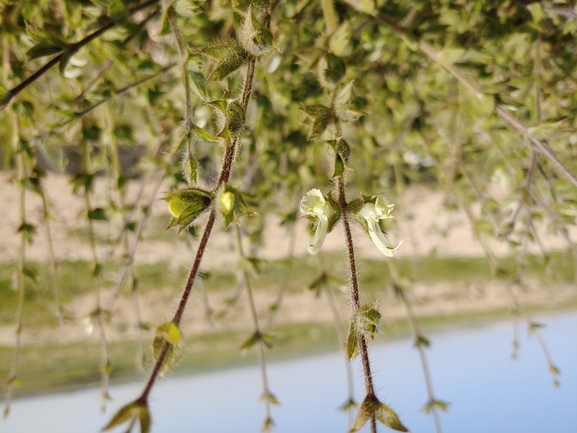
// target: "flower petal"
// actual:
[[384, 207], [313, 202], [368, 212], [382, 243], [318, 238]]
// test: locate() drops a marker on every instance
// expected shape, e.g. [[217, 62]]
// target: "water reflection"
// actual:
[[471, 368]]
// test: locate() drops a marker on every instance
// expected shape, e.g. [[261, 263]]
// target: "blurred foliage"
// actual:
[[409, 119]]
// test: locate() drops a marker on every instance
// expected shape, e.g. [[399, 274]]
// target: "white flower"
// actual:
[[373, 212], [313, 203]]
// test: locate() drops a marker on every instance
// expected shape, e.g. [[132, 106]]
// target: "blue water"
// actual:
[[471, 368]]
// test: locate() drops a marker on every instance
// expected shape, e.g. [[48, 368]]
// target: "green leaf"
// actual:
[[227, 66], [203, 134], [30, 272], [270, 397], [124, 414], [551, 129], [235, 116], [255, 38], [317, 284], [28, 231], [144, 419], [66, 56], [117, 11], [367, 321], [371, 406], [421, 341], [173, 353], [318, 127], [249, 342], [533, 326], [348, 405], [439, 404], [220, 49], [366, 6], [97, 214], [267, 425], [190, 167], [199, 85], [331, 70], [352, 343], [344, 95], [43, 49], [355, 205], [82, 180], [165, 28], [340, 39]]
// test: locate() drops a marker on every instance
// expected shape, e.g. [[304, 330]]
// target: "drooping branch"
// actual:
[[72, 48]]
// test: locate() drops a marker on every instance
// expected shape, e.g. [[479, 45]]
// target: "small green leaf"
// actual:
[[267, 425], [221, 49], [117, 11], [318, 283], [371, 406], [124, 414], [28, 231], [439, 404], [352, 343], [144, 419], [226, 67], [165, 28], [348, 405], [66, 56], [203, 134], [344, 95], [318, 127], [235, 117], [366, 6], [84, 180], [173, 353], [43, 49], [270, 397], [199, 85], [421, 341], [340, 39], [331, 70], [30, 272], [249, 342], [190, 167], [367, 321], [355, 205], [533, 326], [97, 214]]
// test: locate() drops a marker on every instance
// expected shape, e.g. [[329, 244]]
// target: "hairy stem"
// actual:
[[355, 298], [228, 159]]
